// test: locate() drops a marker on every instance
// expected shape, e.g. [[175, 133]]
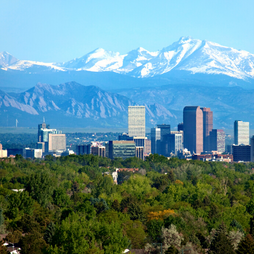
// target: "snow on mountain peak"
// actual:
[[6, 59], [188, 54]]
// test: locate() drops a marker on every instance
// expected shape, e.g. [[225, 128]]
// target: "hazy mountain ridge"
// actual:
[[89, 104], [227, 103]]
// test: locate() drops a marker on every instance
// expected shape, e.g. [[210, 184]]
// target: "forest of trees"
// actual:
[[71, 205]]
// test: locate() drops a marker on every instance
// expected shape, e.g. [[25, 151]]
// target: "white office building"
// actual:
[[241, 133], [136, 121]]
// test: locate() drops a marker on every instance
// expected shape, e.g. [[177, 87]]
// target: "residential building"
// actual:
[[241, 133], [98, 150], [213, 157], [193, 129], [136, 121]]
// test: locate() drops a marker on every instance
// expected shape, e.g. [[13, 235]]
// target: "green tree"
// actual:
[[49, 233], [19, 203], [135, 231], [41, 187], [60, 198], [32, 243], [246, 246], [221, 245], [135, 212]]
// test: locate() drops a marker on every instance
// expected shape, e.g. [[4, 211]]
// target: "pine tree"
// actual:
[[252, 226], [221, 245], [172, 250], [1, 217], [246, 246]]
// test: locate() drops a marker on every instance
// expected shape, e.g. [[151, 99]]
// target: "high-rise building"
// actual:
[[252, 148], [217, 140], [193, 129], [155, 140], [180, 127], [207, 128], [175, 143], [147, 149], [241, 133], [40, 128], [136, 121], [164, 144], [56, 142]]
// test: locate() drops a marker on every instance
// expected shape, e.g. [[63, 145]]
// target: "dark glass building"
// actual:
[[83, 149], [241, 152], [193, 128], [121, 149]]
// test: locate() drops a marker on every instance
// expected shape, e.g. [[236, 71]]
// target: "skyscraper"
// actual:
[[193, 128], [136, 121], [217, 140], [41, 127], [164, 145], [252, 148], [241, 133], [56, 142], [155, 140], [207, 128]]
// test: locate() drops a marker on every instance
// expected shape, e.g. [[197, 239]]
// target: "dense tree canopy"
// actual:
[[71, 205]]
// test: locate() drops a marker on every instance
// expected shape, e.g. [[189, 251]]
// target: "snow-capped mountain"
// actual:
[[7, 59], [187, 54]]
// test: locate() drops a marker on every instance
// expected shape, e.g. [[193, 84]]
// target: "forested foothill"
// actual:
[[72, 205]]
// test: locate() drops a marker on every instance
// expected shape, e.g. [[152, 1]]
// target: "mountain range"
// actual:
[[188, 72], [187, 61], [72, 105]]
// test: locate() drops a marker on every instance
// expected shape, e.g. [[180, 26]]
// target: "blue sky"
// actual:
[[60, 30]]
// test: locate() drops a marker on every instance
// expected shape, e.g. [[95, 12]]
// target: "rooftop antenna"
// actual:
[[17, 123]]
